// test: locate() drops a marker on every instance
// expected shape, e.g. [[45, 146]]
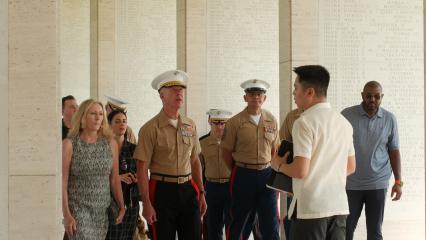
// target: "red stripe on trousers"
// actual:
[[278, 208], [196, 189]]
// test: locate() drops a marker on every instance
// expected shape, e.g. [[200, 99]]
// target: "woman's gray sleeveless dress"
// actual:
[[89, 188]]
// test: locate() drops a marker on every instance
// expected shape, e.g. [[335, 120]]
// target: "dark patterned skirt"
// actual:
[[126, 229]]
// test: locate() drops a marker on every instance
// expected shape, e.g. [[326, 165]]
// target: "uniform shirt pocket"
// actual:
[[270, 136], [270, 132], [187, 145], [186, 140], [162, 142]]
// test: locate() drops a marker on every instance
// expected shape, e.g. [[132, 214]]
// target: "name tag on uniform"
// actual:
[[187, 130]]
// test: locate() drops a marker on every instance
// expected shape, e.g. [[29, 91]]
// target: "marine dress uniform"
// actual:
[[251, 143], [217, 176], [168, 148]]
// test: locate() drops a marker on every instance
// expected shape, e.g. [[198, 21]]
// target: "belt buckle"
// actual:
[[264, 166], [181, 180]]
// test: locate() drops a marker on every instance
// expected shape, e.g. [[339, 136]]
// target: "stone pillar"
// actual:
[[359, 42], [34, 120], [145, 46], [181, 40], [106, 46], [196, 51], [4, 121], [285, 84], [94, 58], [229, 42], [75, 49], [285, 68], [424, 96]]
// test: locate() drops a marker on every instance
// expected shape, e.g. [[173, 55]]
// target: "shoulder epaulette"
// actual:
[[201, 138]]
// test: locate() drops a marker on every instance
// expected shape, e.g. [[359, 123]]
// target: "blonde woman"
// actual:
[[89, 174]]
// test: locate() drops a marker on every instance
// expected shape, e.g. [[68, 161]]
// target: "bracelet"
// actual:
[[202, 191], [399, 182]]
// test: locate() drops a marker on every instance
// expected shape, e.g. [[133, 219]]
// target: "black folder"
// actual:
[[279, 181]]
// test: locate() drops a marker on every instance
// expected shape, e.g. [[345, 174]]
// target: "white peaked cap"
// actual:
[[219, 114], [116, 102], [255, 85], [169, 79]]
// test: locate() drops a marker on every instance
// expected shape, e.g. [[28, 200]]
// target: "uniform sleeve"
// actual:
[[393, 141], [277, 137], [302, 139], [230, 136], [145, 147], [203, 162], [285, 131], [197, 147]]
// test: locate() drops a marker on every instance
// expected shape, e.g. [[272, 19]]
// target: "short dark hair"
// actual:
[[314, 76], [372, 84], [64, 99], [115, 112]]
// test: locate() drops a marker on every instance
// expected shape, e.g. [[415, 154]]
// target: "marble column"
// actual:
[[196, 63], [75, 49], [285, 83], [4, 121], [34, 120]]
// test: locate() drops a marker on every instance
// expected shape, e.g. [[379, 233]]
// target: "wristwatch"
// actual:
[[203, 192], [399, 182]]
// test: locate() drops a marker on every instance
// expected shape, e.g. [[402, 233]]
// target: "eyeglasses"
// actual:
[[219, 123]]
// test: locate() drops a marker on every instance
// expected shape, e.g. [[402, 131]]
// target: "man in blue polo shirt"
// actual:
[[377, 155]]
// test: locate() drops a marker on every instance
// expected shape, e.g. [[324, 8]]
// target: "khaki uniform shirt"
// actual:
[[168, 150], [248, 142], [211, 158], [285, 130]]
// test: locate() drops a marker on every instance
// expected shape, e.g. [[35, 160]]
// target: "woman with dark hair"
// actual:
[[127, 170]]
